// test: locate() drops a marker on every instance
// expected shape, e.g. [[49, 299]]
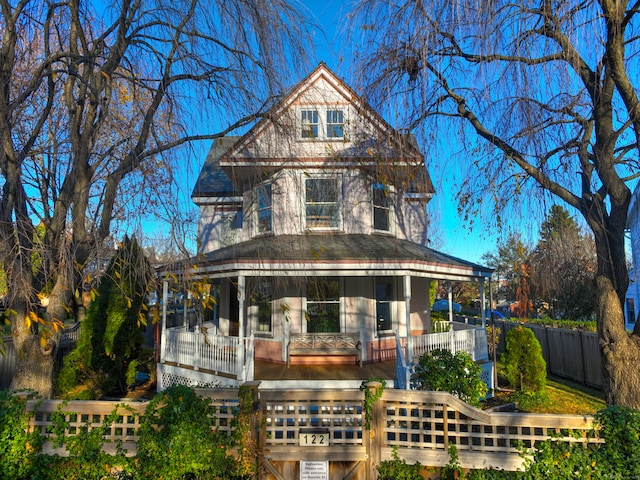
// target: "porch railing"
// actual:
[[473, 341], [201, 351]]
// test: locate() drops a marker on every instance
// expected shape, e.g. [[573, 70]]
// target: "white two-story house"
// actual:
[[313, 229], [632, 300]]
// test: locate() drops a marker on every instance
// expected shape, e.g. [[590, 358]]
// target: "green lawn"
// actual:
[[561, 398]]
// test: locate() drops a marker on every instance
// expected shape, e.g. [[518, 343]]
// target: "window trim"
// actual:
[[339, 221]]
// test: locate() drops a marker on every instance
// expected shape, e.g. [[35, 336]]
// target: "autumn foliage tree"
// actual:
[[95, 98], [545, 97], [564, 264]]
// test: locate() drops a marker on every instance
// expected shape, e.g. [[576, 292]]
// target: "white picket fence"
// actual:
[[472, 340]]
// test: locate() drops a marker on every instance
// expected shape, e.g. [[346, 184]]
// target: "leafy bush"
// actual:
[[86, 460], [456, 373], [178, 439], [19, 449], [524, 365], [399, 469]]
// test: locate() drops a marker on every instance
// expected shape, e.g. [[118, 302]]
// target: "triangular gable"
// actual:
[[382, 140]]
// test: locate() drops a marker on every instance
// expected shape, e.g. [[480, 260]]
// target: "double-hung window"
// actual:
[[262, 301], [335, 124], [384, 302], [321, 123], [323, 305], [265, 220], [381, 208], [322, 203], [310, 123]]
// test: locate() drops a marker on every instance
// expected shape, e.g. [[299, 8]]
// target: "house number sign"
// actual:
[[313, 437]]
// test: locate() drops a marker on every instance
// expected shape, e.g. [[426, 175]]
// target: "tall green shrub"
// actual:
[[456, 373], [111, 338], [19, 448], [524, 365]]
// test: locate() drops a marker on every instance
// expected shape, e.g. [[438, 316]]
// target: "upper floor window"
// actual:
[[381, 208], [322, 202], [265, 221], [322, 123], [310, 124], [335, 124]]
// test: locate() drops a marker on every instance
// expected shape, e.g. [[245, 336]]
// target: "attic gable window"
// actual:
[[321, 123], [335, 124], [310, 124]]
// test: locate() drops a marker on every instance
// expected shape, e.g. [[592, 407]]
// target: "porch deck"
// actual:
[[314, 376]]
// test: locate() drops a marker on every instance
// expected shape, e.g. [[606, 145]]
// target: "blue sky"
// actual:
[[452, 236], [449, 234]]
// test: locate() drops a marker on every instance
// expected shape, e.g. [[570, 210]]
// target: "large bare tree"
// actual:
[[545, 96], [94, 98]]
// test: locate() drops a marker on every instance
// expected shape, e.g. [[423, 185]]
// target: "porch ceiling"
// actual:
[[337, 254]]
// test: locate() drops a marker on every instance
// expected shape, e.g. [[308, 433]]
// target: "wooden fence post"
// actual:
[[373, 427]]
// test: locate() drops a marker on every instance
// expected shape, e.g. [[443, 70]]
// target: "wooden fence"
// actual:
[[570, 354], [296, 426]]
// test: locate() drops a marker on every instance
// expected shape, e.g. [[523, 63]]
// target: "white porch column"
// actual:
[[407, 314], [450, 299], [241, 302], [483, 310], [163, 336]]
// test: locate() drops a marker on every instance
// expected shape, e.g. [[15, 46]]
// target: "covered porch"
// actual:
[[370, 291]]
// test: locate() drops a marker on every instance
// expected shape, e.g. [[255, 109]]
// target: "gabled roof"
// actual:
[[322, 72], [213, 180]]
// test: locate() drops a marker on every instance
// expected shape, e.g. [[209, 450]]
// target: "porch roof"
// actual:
[[337, 254]]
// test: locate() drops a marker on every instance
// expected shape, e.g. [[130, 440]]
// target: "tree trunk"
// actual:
[[34, 367], [620, 349], [34, 360]]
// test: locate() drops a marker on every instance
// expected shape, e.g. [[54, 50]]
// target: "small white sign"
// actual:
[[314, 470]]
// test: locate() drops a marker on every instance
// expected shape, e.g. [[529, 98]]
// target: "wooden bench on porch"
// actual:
[[325, 344]]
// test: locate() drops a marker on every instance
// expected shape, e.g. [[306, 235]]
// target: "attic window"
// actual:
[[310, 125], [335, 124], [321, 123]]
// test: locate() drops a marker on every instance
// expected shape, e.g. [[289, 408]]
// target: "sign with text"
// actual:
[[314, 470], [313, 437]]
